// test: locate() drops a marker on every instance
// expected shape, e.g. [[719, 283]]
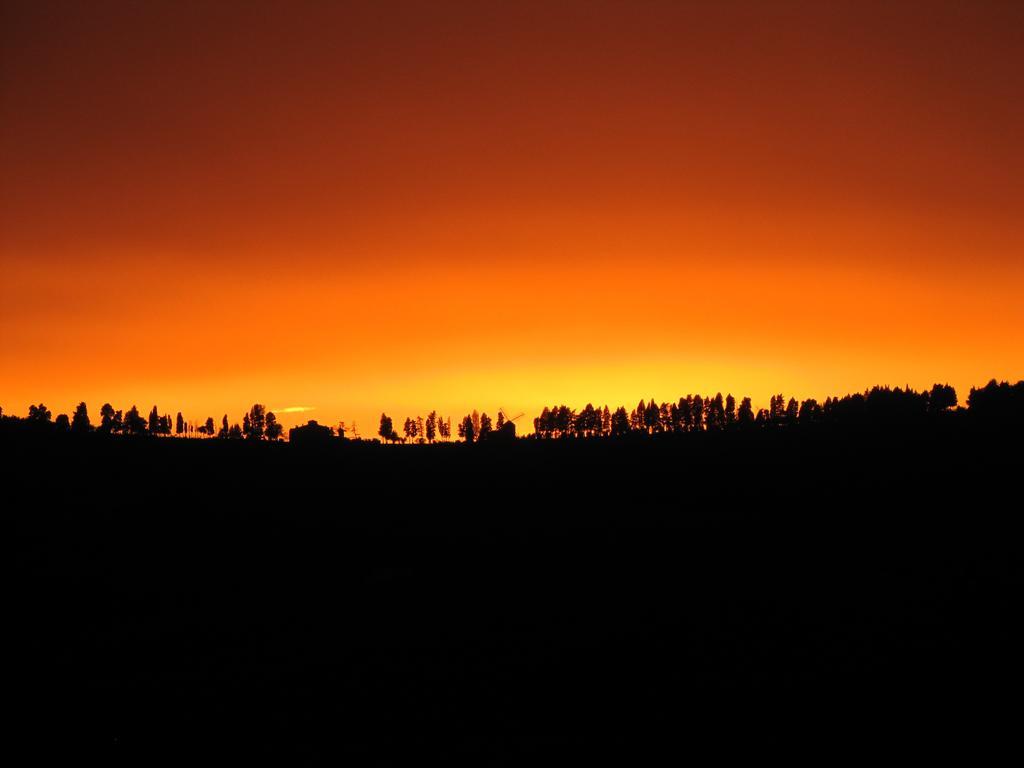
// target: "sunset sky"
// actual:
[[357, 207]]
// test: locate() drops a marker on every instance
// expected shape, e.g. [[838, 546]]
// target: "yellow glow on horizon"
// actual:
[[602, 207]]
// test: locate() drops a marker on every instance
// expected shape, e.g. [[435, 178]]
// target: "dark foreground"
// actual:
[[209, 598]]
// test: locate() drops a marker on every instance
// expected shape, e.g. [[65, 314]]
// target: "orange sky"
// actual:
[[401, 206]]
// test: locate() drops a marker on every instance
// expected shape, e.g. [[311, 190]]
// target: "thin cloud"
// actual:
[[293, 409]]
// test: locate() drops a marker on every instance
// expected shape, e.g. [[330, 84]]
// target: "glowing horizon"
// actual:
[[360, 209]]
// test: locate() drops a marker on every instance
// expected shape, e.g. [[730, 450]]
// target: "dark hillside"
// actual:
[[594, 594]]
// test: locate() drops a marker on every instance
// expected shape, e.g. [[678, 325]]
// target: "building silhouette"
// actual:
[[310, 433]]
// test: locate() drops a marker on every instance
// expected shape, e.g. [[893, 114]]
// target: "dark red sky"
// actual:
[[351, 207]]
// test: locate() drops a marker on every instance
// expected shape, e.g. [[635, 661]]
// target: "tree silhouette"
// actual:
[[848, 409], [134, 424], [792, 411], [665, 417], [620, 422], [563, 420], [714, 413], [882, 406], [255, 422], [684, 414], [544, 424], [745, 415], [810, 412], [541, 423], [636, 417], [466, 429], [80, 419], [941, 398], [997, 403], [39, 414], [387, 428], [107, 419], [274, 428], [588, 422], [886, 406]]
